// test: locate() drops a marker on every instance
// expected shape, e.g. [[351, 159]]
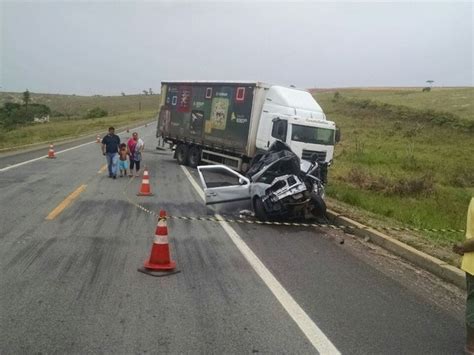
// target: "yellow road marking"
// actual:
[[102, 169], [67, 201]]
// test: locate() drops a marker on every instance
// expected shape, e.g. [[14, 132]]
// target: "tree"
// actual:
[[430, 82], [123, 94], [12, 114], [145, 92], [96, 112], [26, 99], [150, 91]]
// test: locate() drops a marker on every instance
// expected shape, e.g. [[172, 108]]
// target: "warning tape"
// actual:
[[290, 224], [315, 225]]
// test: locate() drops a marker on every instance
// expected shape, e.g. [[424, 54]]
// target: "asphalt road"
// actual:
[[70, 284]]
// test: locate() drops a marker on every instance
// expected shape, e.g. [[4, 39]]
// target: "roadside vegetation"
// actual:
[[456, 101], [412, 165], [75, 106], [63, 129], [67, 116]]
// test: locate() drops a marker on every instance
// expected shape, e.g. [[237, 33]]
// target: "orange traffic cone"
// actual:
[[145, 186], [160, 263], [160, 251], [51, 152], [98, 140]]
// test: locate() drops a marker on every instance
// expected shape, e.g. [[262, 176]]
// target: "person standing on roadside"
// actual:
[[135, 148], [110, 148], [466, 249]]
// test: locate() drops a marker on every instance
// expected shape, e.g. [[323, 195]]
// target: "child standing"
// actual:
[[123, 163]]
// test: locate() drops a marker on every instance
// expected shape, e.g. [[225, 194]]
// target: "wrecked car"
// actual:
[[278, 185]]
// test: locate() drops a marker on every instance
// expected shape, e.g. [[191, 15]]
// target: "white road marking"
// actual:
[[22, 163], [60, 152], [44, 156], [194, 183], [315, 335]]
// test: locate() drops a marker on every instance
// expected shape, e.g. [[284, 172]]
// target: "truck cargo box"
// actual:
[[211, 114]]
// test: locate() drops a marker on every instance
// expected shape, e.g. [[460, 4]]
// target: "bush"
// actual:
[[423, 185], [412, 186], [38, 110], [12, 114], [57, 114], [366, 181], [96, 112]]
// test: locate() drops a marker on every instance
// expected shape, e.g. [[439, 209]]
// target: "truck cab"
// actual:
[[294, 117]]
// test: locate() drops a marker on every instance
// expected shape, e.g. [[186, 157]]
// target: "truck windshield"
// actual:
[[315, 135]]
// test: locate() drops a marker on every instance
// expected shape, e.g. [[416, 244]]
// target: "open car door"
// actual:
[[222, 184]]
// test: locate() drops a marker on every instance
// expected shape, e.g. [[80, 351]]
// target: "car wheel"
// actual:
[[194, 156], [318, 207], [260, 212], [182, 154]]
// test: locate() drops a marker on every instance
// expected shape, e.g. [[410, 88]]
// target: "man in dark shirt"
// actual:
[[110, 148]]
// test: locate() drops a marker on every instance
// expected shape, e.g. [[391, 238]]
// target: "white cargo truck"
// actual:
[[231, 122]]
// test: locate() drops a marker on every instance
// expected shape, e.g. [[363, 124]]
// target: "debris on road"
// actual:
[[246, 213]]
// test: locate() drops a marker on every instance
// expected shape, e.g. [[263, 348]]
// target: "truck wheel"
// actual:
[[194, 156], [318, 207], [182, 154], [260, 212]]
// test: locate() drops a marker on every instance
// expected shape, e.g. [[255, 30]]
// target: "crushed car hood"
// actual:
[[279, 157]]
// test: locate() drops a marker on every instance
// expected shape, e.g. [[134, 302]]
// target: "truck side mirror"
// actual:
[[338, 135]]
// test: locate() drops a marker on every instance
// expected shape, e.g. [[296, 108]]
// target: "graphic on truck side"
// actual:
[[220, 106], [218, 114]]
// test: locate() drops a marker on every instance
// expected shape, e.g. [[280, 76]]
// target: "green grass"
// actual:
[[414, 171], [457, 101], [77, 106], [122, 110], [60, 129]]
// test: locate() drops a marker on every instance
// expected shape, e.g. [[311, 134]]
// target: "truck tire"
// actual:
[[182, 154], [259, 209], [194, 156]]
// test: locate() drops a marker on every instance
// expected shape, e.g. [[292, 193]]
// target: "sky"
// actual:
[[86, 48]]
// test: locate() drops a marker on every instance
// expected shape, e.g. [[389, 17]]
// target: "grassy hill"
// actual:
[[412, 163], [68, 112], [76, 106], [457, 101]]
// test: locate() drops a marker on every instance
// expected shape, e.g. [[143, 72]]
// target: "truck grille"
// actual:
[[308, 153]]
